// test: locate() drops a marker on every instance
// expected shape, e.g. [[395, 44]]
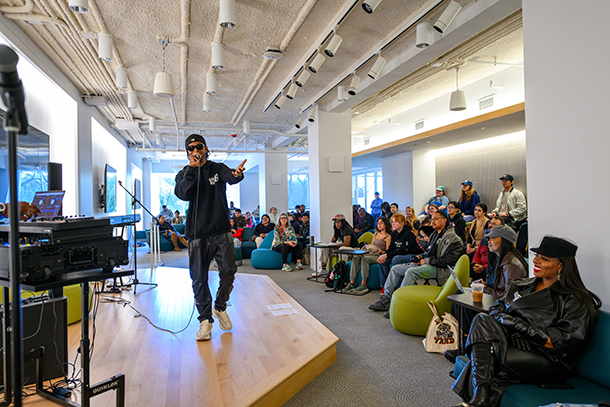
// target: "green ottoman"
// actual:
[[409, 310]]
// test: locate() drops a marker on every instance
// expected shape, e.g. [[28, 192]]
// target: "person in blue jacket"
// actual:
[[468, 200], [376, 206]]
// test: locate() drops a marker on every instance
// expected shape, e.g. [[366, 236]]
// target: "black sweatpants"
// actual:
[[201, 253], [284, 249]]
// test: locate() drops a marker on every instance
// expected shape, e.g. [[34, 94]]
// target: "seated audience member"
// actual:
[[360, 264], [444, 250], [249, 221], [439, 199], [367, 223], [356, 220], [411, 218], [285, 241], [483, 259], [167, 214], [231, 209], [236, 232], [168, 230], [522, 238], [177, 219], [376, 206], [468, 200], [240, 221], [510, 203], [386, 210], [425, 228], [531, 333], [304, 236], [273, 216], [403, 246], [478, 226], [294, 223], [297, 213], [342, 234], [262, 229], [394, 208], [457, 220]]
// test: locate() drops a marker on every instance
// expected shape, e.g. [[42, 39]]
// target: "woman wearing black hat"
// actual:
[[529, 333]]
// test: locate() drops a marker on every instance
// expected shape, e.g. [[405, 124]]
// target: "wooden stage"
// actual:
[[274, 349]]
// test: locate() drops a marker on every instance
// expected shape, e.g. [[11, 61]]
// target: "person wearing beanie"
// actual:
[[203, 184]]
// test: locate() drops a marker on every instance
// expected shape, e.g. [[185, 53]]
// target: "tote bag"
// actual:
[[442, 332]]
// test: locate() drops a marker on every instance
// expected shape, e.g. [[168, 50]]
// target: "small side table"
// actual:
[[465, 301], [315, 248]]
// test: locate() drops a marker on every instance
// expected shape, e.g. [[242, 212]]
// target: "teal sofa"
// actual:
[[590, 386], [373, 282], [166, 245], [246, 246], [265, 258]]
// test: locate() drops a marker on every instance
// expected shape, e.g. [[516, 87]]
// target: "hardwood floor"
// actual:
[[274, 349]]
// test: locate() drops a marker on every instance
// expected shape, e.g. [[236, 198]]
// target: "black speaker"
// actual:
[[51, 315], [54, 171]]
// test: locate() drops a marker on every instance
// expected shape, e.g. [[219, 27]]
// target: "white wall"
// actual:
[[397, 172], [249, 192], [566, 110]]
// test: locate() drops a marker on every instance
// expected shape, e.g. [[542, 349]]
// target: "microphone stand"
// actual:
[[135, 201]]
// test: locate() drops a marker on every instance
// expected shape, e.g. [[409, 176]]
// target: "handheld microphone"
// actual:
[[197, 156], [12, 94], [120, 183]]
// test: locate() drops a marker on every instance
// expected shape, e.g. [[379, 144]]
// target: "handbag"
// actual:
[[442, 332], [372, 249]]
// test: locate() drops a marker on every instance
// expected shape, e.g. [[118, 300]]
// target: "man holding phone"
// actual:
[[203, 184]]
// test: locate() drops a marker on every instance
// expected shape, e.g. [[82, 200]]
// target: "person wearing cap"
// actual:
[[530, 334], [203, 184], [376, 206], [511, 202], [342, 234], [439, 199], [468, 200]]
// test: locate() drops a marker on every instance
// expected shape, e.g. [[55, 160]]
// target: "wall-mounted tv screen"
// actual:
[[110, 180]]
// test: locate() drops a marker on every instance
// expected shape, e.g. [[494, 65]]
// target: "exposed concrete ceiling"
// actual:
[[249, 83]]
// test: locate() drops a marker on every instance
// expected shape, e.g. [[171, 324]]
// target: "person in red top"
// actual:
[[236, 232], [480, 260]]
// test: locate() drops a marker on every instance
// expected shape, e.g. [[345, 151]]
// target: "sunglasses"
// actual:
[[196, 146]]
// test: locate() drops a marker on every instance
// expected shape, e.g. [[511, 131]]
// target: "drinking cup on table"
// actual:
[[477, 292]]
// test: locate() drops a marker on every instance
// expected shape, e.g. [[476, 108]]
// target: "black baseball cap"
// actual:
[[507, 177], [194, 137]]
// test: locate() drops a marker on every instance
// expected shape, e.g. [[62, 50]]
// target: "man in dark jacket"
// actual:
[[203, 184], [367, 223], [403, 246], [240, 221], [444, 250]]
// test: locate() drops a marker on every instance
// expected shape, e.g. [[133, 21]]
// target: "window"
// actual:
[[298, 190], [30, 182], [163, 194], [365, 185]]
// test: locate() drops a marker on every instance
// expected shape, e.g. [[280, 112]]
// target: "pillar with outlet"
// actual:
[[330, 171]]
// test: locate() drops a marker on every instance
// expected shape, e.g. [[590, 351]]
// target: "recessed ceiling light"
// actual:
[[271, 53], [428, 142], [482, 128]]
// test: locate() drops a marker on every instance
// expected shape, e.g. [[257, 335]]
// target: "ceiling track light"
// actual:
[[152, 123], [370, 5], [132, 99], [121, 78], [79, 6], [218, 56], [302, 78], [342, 93], [447, 17], [316, 63], [353, 86], [246, 126], [299, 122], [377, 67], [313, 113], [280, 102], [211, 84], [104, 46], [458, 98], [164, 83], [227, 13], [292, 90], [423, 34], [333, 46], [207, 103]]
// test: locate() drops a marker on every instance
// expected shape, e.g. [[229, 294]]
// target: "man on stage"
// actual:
[[203, 184]]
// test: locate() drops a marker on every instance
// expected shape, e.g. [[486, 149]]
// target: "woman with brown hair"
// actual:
[[468, 200]]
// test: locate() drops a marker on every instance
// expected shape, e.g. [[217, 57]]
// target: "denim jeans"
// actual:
[[402, 275], [402, 259]]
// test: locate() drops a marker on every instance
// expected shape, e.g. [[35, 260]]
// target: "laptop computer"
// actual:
[[49, 203], [458, 283]]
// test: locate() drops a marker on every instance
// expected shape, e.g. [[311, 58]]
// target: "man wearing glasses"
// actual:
[[203, 184], [445, 248]]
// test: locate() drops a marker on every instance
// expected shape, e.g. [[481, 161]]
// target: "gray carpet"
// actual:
[[376, 365]]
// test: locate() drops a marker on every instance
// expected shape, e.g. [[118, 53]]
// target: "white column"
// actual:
[[424, 178], [566, 94], [273, 178], [330, 171]]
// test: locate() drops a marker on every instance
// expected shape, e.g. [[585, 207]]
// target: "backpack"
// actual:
[[336, 279]]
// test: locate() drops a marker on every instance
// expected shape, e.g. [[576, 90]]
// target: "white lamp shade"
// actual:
[[299, 123], [152, 123], [211, 84], [342, 93], [79, 6], [447, 17], [458, 101], [316, 63], [313, 113], [132, 99], [353, 86], [377, 67], [218, 56], [207, 103], [292, 90], [227, 13], [423, 34], [302, 78], [333, 45], [164, 85], [104, 47], [280, 102], [121, 78], [370, 5], [246, 126]]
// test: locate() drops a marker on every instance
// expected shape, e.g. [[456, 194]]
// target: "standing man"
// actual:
[[376, 206], [167, 213], [510, 203], [203, 184]]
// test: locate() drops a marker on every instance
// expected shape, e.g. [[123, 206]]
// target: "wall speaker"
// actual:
[[336, 163], [276, 179]]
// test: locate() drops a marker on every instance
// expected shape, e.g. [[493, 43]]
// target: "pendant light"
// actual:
[[164, 83], [458, 98]]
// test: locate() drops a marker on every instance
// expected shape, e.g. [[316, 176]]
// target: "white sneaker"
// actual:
[[223, 319], [205, 331], [318, 273]]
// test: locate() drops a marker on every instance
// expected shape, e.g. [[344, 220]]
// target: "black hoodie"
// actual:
[[208, 210], [403, 243]]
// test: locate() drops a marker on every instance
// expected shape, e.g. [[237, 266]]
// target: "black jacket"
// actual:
[[403, 243], [346, 231], [459, 225], [205, 189], [166, 227], [260, 228], [368, 223], [296, 226]]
